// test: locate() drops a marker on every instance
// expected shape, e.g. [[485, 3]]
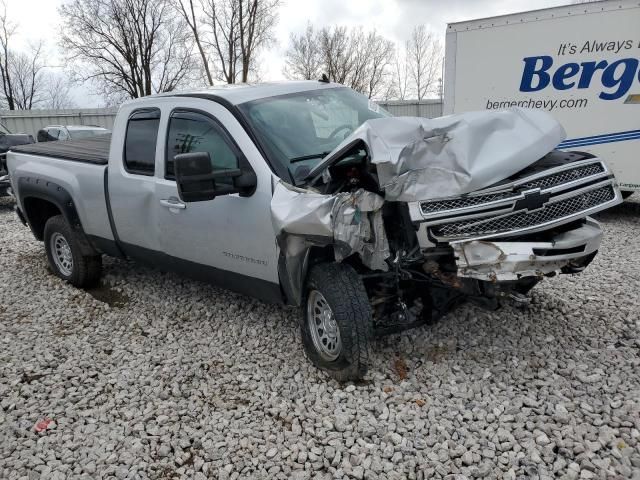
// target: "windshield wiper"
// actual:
[[309, 157]]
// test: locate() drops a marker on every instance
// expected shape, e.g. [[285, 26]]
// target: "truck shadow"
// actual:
[[105, 293], [6, 204], [550, 332]]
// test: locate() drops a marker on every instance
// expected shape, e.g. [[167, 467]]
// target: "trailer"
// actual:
[[579, 62]]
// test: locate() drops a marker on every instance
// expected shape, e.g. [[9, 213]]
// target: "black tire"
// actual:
[[626, 194], [343, 290], [85, 270]]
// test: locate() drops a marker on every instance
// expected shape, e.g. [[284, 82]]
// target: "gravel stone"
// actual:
[[153, 376], [467, 458]]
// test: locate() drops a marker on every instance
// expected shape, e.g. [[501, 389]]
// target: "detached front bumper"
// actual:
[[497, 261]]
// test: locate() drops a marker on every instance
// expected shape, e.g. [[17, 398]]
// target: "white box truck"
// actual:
[[580, 62]]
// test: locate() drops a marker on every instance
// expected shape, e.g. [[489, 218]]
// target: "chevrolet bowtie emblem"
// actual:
[[532, 201]]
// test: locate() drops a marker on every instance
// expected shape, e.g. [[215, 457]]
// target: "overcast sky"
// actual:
[[38, 19]]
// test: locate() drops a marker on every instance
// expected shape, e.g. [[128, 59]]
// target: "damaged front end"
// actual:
[[432, 213]]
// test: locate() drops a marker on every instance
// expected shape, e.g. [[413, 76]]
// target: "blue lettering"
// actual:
[[616, 78], [531, 69], [564, 73], [623, 81], [588, 69]]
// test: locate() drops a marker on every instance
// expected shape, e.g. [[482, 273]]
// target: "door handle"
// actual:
[[172, 203]]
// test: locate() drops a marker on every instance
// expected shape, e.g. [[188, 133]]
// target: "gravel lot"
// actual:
[[155, 376]]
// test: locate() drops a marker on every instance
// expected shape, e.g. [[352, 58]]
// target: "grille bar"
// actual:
[[523, 219], [464, 202], [556, 179], [565, 176]]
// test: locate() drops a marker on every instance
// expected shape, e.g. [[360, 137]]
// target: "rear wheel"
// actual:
[[336, 321], [65, 255]]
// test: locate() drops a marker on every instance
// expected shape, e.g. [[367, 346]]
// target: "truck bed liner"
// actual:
[[89, 150]]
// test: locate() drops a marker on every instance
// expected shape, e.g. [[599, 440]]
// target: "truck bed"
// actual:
[[89, 150]]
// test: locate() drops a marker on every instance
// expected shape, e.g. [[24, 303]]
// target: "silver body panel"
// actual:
[[84, 181], [229, 232]]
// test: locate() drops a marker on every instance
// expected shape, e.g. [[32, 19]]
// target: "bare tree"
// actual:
[[257, 19], [222, 19], [188, 12], [27, 75], [238, 30], [7, 29], [22, 72], [337, 53], [130, 48], [401, 79], [57, 92], [303, 59], [376, 54], [425, 59], [356, 58]]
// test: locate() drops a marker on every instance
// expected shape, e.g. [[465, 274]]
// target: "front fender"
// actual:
[[297, 254]]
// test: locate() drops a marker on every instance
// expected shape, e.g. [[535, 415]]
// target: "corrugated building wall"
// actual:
[[30, 121], [413, 108]]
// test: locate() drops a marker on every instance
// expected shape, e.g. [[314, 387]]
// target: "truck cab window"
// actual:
[[140, 141], [195, 132]]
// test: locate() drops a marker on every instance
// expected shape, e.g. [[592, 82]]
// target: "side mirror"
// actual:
[[198, 181]]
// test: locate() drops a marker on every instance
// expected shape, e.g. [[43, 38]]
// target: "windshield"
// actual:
[[299, 129], [78, 134]]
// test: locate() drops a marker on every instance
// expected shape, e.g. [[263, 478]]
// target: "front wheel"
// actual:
[[336, 321], [65, 254]]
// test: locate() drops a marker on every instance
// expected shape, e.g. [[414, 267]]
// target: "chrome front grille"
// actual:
[[523, 219], [542, 182], [463, 202], [565, 177], [535, 202]]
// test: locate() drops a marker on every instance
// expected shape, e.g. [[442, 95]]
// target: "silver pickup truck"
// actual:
[[308, 194]]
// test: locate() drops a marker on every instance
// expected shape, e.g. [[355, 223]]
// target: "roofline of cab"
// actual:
[[280, 170]]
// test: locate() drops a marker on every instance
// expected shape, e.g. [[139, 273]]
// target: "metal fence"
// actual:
[[30, 121], [413, 108]]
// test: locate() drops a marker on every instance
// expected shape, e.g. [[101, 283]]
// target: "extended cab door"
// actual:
[[229, 239], [132, 180]]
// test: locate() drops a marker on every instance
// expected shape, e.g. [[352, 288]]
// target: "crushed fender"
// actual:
[[351, 221]]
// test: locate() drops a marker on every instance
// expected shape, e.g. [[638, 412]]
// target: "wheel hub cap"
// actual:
[[323, 326], [61, 252]]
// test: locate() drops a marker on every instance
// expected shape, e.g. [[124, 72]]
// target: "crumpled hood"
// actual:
[[416, 159], [423, 159]]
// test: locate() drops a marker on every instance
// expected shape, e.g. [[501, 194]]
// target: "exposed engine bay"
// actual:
[[387, 210]]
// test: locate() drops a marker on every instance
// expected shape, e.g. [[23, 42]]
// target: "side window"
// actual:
[[53, 133], [140, 141], [195, 132]]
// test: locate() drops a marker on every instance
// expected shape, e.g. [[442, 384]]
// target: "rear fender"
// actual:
[[47, 191]]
